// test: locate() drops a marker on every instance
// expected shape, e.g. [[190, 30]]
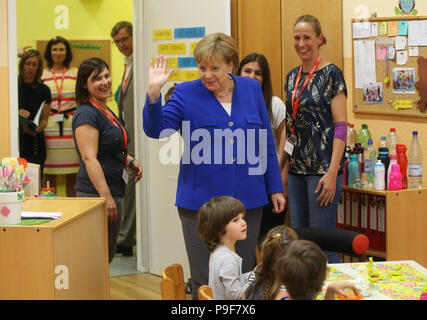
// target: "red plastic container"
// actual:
[[402, 161]]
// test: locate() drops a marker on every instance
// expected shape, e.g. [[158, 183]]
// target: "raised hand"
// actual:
[[157, 77]]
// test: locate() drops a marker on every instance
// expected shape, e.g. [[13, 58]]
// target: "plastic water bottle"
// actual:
[[393, 160], [395, 178], [383, 141], [402, 160], [385, 159], [363, 136], [392, 141], [415, 161], [351, 136], [379, 175], [370, 154], [353, 172]]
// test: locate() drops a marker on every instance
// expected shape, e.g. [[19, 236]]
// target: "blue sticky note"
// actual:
[[403, 27], [187, 62], [196, 32]]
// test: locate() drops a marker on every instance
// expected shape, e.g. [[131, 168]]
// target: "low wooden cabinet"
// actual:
[[394, 221], [61, 259]]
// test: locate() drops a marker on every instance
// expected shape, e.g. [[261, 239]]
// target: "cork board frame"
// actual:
[[386, 107], [83, 49]]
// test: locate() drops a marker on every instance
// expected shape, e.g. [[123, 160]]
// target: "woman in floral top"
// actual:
[[316, 131]]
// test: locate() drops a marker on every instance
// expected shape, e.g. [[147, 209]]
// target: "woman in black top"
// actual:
[[32, 95], [101, 143]]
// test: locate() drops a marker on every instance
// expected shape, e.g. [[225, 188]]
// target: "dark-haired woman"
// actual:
[[62, 158], [101, 143], [32, 95], [256, 66]]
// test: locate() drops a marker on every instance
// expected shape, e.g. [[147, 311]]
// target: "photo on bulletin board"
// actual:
[[373, 93], [390, 57], [404, 80]]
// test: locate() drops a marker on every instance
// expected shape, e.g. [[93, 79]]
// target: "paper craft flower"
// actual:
[[5, 211]]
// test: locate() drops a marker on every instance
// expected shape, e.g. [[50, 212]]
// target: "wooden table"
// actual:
[[61, 259], [382, 290]]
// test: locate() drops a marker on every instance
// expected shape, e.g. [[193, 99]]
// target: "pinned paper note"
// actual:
[[393, 28], [162, 34], [364, 62], [391, 52], [171, 48], [187, 62], [402, 104], [403, 27], [400, 43], [192, 46], [381, 52], [382, 28], [172, 62], [175, 76], [401, 58], [197, 32], [189, 75], [413, 51], [374, 29], [361, 30]]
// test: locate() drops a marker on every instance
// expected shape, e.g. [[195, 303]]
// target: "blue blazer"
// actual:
[[223, 155]]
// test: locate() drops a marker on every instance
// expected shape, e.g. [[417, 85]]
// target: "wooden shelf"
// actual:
[[405, 223]]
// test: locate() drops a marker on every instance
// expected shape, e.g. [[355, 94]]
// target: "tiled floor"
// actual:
[[122, 265]]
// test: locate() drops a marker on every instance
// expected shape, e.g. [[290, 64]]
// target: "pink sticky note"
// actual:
[[381, 52]]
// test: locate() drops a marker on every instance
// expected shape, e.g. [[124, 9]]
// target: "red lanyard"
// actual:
[[296, 104], [117, 124], [59, 89], [125, 79]]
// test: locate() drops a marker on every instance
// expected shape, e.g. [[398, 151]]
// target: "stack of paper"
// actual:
[[40, 215]]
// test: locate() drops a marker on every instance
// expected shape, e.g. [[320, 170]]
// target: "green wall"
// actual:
[[87, 19]]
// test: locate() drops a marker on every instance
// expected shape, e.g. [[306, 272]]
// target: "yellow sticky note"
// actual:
[[171, 48], [382, 28], [189, 75], [192, 46], [162, 34], [175, 76], [172, 62], [402, 104], [393, 28]]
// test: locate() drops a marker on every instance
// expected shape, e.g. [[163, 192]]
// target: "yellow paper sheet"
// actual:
[[189, 75], [403, 104], [162, 34], [171, 48]]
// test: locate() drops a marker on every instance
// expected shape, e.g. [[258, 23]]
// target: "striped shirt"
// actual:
[[62, 157]]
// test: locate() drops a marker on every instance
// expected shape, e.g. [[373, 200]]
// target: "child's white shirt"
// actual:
[[225, 274]]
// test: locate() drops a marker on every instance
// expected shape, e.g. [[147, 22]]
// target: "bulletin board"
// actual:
[[83, 49], [377, 96]]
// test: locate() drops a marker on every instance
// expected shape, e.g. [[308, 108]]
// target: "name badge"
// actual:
[[289, 145], [125, 176], [58, 117]]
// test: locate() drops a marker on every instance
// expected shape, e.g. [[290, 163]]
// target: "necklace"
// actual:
[[230, 90]]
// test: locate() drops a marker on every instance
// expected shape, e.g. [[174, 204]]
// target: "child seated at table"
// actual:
[[303, 270], [221, 224]]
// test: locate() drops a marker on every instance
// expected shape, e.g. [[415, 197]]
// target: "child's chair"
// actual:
[[205, 292], [172, 285]]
